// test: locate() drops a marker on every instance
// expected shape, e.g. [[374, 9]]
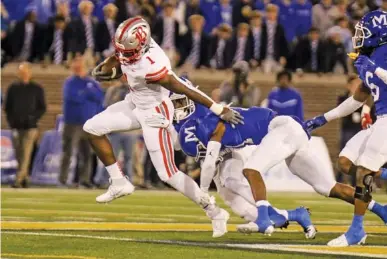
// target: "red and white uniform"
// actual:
[[143, 100]]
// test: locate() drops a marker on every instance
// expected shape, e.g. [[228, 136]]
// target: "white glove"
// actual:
[[157, 120]]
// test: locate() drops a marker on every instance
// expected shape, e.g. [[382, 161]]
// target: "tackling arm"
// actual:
[[209, 165], [350, 105], [176, 85]]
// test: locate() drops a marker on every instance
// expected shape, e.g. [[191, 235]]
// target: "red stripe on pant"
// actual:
[[171, 153], [163, 148]]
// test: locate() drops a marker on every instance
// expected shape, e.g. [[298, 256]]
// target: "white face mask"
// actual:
[[180, 114]]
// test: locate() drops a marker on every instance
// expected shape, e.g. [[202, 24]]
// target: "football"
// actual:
[[112, 67]]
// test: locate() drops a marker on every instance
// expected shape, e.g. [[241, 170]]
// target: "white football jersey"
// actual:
[[153, 66]]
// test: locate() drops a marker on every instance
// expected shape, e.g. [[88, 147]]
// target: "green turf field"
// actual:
[[59, 223]]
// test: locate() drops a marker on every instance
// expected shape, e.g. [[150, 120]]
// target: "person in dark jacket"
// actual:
[[220, 47], [166, 31], [241, 45], [82, 33], [24, 106], [194, 45], [105, 31], [56, 39], [26, 39], [82, 99], [274, 47], [335, 54], [126, 9], [309, 54]]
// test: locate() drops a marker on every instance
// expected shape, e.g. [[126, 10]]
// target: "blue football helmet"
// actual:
[[371, 30], [189, 143]]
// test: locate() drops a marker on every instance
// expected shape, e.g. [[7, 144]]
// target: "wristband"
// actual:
[[216, 108]]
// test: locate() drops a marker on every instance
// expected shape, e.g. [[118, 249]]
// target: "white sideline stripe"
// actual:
[[272, 247]]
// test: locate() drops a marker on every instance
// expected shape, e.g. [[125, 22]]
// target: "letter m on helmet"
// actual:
[[380, 20], [189, 134]]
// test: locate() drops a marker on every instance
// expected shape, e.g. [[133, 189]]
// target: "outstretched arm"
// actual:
[[347, 107], [173, 83], [350, 105], [209, 165]]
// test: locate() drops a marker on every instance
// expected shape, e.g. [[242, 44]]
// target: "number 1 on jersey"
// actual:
[[150, 60]]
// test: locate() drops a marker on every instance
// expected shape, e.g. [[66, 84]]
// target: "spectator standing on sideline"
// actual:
[[120, 141], [284, 99], [24, 106], [350, 125], [82, 99]]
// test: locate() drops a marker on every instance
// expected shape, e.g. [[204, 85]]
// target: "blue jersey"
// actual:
[[256, 126], [375, 84], [200, 111]]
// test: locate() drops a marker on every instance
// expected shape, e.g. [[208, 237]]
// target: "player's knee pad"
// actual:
[[91, 128], [364, 193]]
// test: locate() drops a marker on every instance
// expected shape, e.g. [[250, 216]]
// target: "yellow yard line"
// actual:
[[49, 256], [66, 225]]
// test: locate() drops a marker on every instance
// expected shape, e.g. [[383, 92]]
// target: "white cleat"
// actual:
[[117, 188], [219, 223], [252, 227], [310, 232], [248, 228], [342, 241]]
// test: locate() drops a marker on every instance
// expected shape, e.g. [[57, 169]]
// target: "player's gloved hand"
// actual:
[[364, 64], [157, 120], [101, 76], [315, 123], [231, 116], [366, 121]]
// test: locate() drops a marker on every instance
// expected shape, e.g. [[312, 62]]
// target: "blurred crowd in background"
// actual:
[[271, 35], [279, 36]]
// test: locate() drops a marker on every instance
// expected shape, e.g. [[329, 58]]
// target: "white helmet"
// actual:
[[132, 39], [184, 107]]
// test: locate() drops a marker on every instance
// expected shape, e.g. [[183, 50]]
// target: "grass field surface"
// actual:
[[61, 223]]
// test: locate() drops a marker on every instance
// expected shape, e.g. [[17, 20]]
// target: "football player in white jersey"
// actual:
[[150, 79]]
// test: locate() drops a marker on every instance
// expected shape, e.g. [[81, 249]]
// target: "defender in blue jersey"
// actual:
[[304, 163], [366, 152]]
